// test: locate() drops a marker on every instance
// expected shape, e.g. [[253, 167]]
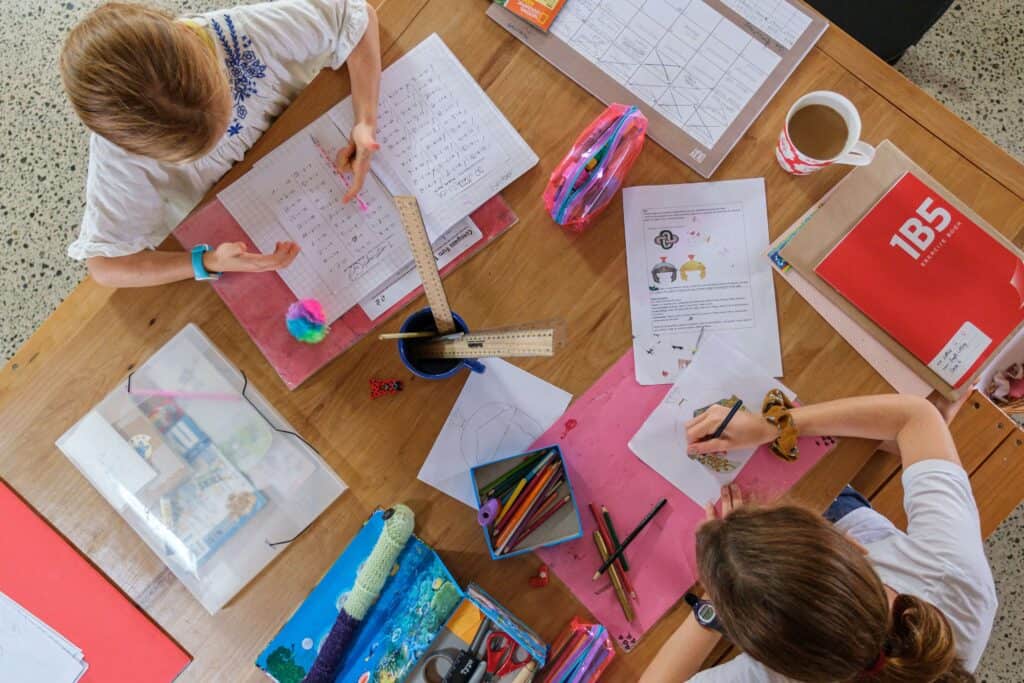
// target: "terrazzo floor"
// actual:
[[971, 61]]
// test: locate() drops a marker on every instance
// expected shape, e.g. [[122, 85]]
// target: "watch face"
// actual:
[[706, 613]]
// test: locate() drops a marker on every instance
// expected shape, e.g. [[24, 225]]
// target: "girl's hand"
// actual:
[[234, 257], [746, 430], [732, 498], [356, 157]]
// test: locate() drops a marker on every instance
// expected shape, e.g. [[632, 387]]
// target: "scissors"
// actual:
[[503, 656]]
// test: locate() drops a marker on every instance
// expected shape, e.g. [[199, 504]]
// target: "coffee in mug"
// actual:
[[822, 128]]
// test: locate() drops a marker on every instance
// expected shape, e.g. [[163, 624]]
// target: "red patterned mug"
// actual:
[[853, 151]]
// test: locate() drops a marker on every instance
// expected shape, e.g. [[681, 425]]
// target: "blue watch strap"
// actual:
[[198, 269]]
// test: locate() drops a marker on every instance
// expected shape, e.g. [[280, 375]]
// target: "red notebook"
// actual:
[[44, 574], [933, 279]]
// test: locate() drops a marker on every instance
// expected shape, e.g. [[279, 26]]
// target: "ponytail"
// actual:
[[919, 646], [797, 596]]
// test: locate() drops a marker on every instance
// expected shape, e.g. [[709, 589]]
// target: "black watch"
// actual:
[[704, 611]]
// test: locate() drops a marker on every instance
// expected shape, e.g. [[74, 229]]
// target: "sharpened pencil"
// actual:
[[728, 418], [614, 536], [539, 522], [603, 530], [620, 592], [632, 535]]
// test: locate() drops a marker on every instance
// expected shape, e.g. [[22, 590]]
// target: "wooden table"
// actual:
[[536, 271]]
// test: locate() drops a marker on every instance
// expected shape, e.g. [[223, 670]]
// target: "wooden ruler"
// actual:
[[489, 344], [412, 222]]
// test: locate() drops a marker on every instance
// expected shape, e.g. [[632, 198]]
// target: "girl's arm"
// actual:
[[682, 654], [149, 268], [915, 424], [364, 74]]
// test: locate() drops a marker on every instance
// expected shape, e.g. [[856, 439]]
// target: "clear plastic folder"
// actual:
[[202, 467]]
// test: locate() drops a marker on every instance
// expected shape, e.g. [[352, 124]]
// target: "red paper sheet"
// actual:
[[259, 300], [48, 577], [593, 435]]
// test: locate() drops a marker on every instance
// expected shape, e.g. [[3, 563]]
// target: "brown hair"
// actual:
[[146, 82], [800, 598]]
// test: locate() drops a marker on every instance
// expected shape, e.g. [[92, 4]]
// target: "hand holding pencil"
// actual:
[[744, 430]]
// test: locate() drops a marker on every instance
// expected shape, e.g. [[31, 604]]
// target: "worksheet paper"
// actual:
[[442, 139], [499, 413], [295, 194], [32, 652], [719, 372], [696, 265]]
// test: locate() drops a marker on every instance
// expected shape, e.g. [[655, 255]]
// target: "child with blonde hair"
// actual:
[[173, 103]]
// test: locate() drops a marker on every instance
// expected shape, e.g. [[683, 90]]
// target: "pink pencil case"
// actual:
[[592, 172]]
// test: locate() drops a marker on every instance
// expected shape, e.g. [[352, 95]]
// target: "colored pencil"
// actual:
[[516, 519], [525, 506], [531, 478], [538, 522], [513, 473], [613, 572], [728, 418], [510, 502], [629, 539], [607, 538], [614, 536], [574, 643]]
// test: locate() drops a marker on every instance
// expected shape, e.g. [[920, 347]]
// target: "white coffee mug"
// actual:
[[855, 152]]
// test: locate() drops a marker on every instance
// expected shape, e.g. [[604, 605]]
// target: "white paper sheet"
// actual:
[[499, 413], [295, 194], [441, 137], [33, 652], [718, 372], [113, 466], [695, 256]]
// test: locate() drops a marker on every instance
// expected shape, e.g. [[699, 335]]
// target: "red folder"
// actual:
[[943, 287], [44, 574], [259, 300]]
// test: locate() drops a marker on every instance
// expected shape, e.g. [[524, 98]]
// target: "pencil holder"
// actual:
[[537, 504]]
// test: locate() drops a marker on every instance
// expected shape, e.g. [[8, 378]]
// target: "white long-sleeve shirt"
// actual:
[[270, 51]]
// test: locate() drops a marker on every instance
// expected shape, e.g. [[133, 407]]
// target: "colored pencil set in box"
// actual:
[[580, 654], [529, 502]]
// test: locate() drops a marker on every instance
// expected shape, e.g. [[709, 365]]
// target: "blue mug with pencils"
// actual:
[[432, 368]]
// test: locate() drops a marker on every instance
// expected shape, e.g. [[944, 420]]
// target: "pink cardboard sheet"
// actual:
[[593, 435], [259, 300]]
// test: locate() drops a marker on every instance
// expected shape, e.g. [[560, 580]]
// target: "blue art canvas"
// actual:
[[414, 606]]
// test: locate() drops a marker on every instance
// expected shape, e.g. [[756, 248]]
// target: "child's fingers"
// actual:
[[709, 511], [360, 167], [698, 431], [703, 417], [710, 446], [344, 158]]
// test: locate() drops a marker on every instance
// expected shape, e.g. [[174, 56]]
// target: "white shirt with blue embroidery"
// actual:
[[271, 52]]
